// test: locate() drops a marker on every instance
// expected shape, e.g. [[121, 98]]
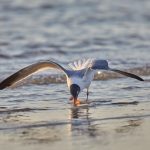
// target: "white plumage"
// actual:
[[80, 64]]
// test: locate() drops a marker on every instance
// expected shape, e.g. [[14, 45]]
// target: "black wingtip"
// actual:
[[128, 74], [141, 79], [2, 86]]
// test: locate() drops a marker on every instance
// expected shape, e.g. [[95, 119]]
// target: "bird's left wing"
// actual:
[[29, 70], [103, 65]]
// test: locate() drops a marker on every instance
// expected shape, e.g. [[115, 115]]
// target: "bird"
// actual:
[[79, 75]]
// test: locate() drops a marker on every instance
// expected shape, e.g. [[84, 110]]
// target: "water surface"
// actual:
[[37, 114]]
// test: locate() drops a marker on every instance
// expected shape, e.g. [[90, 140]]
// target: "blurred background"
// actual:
[[32, 30]]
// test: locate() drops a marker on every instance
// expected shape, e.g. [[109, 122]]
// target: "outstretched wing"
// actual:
[[127, 74], [29, 70], [103, 65]]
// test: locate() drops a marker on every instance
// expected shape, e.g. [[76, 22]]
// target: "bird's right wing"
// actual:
[[29, 70], [103, 65]]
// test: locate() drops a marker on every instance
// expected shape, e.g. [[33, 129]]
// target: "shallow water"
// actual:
[[37, 114], [117, 115]]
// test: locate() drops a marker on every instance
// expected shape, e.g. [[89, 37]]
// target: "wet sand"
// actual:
[[99, 125]]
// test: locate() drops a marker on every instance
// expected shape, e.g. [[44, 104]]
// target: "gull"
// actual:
[[79, 75]]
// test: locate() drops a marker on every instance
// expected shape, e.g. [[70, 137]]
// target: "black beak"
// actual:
[[74, 90]]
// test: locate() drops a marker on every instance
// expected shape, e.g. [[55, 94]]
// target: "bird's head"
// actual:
[[74, 90]]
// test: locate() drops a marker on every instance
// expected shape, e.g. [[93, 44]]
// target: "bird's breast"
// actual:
[[73, 80], [81, 82]]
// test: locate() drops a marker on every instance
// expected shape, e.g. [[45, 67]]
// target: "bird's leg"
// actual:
[[74, 101], [87, 94]]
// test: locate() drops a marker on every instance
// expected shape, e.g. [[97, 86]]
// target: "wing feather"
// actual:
[[128, 74], [29, 70]]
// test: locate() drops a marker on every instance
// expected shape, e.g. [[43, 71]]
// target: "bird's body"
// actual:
[[84, 82], [79, 76]]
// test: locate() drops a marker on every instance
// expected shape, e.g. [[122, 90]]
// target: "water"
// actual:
[[37, 113]]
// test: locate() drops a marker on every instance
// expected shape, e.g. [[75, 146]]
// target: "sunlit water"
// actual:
[[37, 114]]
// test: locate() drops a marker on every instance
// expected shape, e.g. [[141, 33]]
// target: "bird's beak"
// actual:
[[74, 90]]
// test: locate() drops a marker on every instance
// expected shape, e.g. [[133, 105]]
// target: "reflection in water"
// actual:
[[78, 112], [81, 122], [82, 126]]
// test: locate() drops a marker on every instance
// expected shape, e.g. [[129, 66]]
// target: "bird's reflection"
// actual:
[[81, 121], [78, 112]]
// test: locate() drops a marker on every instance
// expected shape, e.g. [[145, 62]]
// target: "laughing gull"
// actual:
[[79, 76]]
